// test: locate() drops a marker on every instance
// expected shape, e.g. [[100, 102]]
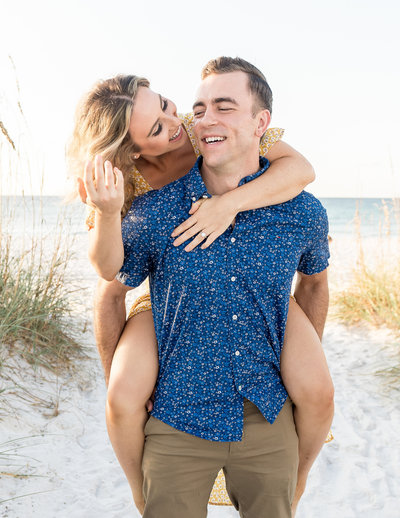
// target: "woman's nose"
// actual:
[[174, 119], [171, 111]]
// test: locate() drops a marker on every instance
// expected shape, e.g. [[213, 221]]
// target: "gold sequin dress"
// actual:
[[219, 495]]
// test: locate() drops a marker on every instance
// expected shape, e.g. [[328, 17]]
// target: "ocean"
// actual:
[[377, 216]]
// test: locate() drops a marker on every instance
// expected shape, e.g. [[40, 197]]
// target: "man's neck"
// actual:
[[224, 179]]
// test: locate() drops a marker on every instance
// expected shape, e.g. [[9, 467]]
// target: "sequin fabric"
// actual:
[[220, 313]]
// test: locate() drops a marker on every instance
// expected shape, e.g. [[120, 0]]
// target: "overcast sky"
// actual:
[[333, 68]]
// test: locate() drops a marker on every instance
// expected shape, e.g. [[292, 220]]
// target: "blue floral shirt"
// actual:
[[220, 313]]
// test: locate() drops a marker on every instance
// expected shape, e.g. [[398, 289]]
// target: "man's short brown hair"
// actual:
[[257, 82]]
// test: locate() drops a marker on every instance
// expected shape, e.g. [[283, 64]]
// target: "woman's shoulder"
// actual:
[[271, 136], [139, 183], [188, 123]]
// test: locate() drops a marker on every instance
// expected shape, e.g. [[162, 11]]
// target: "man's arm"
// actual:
[[109, 319], [312, 295]]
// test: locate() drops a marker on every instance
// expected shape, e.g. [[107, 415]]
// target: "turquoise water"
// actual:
[[46, 211], [342, 213]]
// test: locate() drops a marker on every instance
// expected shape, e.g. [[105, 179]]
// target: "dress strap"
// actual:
[[271, 136], [188, 123]]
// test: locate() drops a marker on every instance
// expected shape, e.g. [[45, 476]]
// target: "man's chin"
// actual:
[[211, 163], [212, 159]]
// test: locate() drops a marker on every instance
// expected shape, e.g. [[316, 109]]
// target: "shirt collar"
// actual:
[[196, 188]]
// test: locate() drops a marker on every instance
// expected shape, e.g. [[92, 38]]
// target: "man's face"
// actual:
[[225, 126]]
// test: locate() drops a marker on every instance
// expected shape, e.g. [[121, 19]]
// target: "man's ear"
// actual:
[[264, 118]]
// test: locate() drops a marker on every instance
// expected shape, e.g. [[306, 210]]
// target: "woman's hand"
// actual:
[[210, 218], [104, 193]]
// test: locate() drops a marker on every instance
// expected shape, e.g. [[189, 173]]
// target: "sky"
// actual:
[[333, 68]]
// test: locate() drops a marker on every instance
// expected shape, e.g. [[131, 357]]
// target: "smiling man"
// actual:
[[229, 127], [220, 315]]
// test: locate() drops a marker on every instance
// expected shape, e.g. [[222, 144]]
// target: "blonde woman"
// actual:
[[124, 126]]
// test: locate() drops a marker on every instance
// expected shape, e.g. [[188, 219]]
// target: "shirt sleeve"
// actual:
[[271, 136], [315, 257], [136, 237]]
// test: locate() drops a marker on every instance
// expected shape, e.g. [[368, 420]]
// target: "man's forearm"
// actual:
[[314, 301], [109, 321]]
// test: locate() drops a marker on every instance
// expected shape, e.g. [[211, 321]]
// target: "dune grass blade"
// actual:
[[26, 494]]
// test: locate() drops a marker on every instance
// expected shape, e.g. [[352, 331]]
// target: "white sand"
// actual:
[[74, 472]]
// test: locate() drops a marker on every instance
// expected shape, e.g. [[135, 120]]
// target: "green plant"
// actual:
[[373, 294]]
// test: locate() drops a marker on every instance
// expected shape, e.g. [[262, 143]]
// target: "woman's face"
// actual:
[[155, 126]]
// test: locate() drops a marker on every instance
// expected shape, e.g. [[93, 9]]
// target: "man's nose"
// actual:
[[209, 118]]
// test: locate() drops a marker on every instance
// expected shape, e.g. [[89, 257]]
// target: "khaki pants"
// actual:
[[179, 469]]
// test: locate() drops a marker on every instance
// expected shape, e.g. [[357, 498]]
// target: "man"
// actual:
[[220, 315]]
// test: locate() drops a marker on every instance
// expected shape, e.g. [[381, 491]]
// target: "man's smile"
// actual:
[[213, 139]]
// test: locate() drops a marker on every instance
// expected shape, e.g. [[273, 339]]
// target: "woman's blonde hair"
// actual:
[[101, 126]]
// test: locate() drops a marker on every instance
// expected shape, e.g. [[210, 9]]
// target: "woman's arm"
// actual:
[[288, 174], [286, 177], [106, 195]]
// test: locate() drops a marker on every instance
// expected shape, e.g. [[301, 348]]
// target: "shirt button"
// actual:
[[233, 279], [237, 353], [233, 239], [240, 387], [204, 196], [234, 317], [194, 198]]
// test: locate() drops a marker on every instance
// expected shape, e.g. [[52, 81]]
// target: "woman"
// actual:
[[138, 130]]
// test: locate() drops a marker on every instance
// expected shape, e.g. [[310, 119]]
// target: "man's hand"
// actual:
[[312, 295]]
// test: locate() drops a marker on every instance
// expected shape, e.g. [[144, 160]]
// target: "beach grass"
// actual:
[[37, 328], [373, 294], [34, 305], [374, 297], [40, 343], [15, 464]]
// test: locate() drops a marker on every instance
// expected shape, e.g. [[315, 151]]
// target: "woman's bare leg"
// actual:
[[132, 378], [306, 377]]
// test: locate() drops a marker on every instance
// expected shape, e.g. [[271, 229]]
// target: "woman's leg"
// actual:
[[132, 378], [306, 377]]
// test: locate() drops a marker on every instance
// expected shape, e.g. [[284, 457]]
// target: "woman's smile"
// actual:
[[177, 135]]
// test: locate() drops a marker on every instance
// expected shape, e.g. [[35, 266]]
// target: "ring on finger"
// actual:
[[203, 234]]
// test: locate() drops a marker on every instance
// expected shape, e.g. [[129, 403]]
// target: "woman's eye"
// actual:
[[165, 104], [158, 130]]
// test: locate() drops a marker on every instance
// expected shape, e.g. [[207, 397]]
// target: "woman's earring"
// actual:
[[135, 157]]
